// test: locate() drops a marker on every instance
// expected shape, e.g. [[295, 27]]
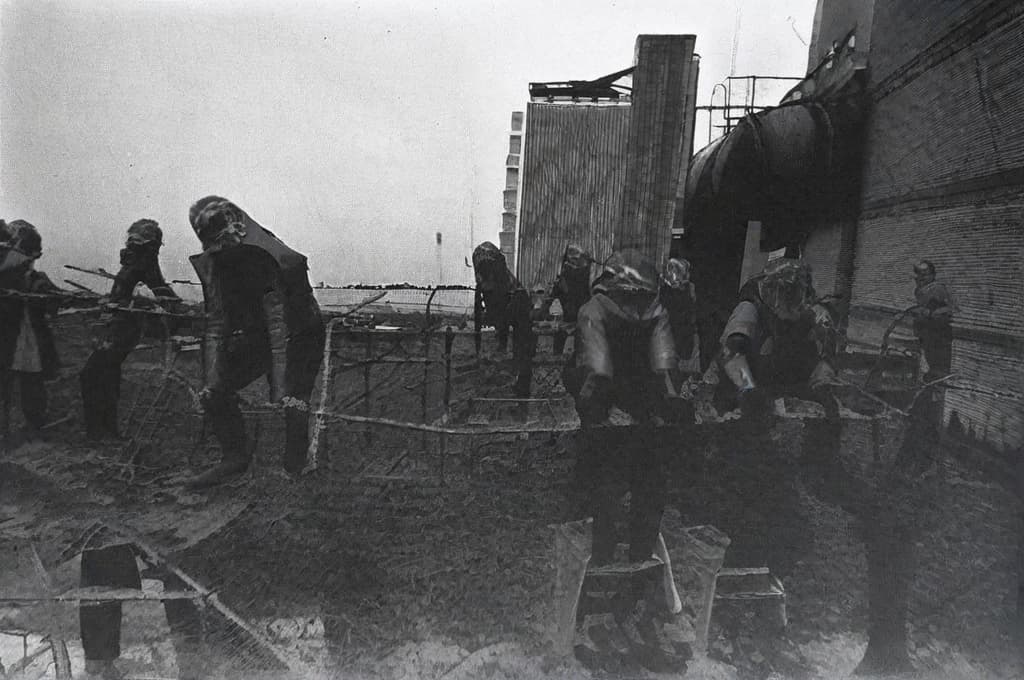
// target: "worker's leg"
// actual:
[[599, 480], [228, 426], [101, 390], [304, 356], [648, 487], [889, 557], [112, 567], [33, 400], [186, 630]]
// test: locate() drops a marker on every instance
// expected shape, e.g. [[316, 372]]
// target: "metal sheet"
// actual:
[[573, 178]]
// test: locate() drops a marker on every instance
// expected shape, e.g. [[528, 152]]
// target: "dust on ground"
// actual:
[[407, 557]]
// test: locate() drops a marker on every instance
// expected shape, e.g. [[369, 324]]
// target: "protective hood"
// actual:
[[677, 274], [491, 269], [254, 236], [13, 266], [575, 257], [785, 288], [630, 281], [24, 238]]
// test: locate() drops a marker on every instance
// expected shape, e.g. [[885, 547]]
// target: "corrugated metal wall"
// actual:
[[944, 180], [573, 176]]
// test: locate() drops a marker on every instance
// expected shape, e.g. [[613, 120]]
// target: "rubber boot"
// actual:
[[186, 630], [100, 382], [296, 422], [104, 669], [888, 556], [228, 427]]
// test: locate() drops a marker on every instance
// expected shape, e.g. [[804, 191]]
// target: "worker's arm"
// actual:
[[214, 341], [594, 364], [277, 330], [154, 280], [946, 305], [664, 359], [38, 282], [737, 346], [478, 319], [737, 343]]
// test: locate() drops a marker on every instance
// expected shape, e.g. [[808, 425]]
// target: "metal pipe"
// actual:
[[320, 424], [449, 339], [368, 387]]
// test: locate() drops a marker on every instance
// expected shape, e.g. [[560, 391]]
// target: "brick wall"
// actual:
[[943, 179], [821, 251]]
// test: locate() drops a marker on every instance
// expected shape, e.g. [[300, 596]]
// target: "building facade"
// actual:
[[603, 169], [912, 114], [942, 179]]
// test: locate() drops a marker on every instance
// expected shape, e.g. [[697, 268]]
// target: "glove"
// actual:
[[822, 316], [738, 371], [594, 399]]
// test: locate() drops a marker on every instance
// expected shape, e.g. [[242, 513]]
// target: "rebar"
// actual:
[[210, 597]]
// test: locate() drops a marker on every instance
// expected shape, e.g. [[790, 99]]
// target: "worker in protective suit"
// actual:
[[571, 289], [502, 302], [625, 357], [262, 320], [679, 297], [28, 352], [101, 378], [933, 320], [780, 339]]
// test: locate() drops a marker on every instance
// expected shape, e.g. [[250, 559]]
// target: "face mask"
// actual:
[[786, 302], [13, 264], [575, 258], [677, 274], [227, 238]]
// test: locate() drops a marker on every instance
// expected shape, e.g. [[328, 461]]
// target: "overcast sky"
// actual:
[[354, 130]]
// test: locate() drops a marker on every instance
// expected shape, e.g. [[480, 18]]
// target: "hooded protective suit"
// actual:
[[571, 288], [262, 319], [933, 321], [502, 302], [624, 355], [624, 344], [787, 339], [679, 297], [27, 348], [779, 341], [101, 378]]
